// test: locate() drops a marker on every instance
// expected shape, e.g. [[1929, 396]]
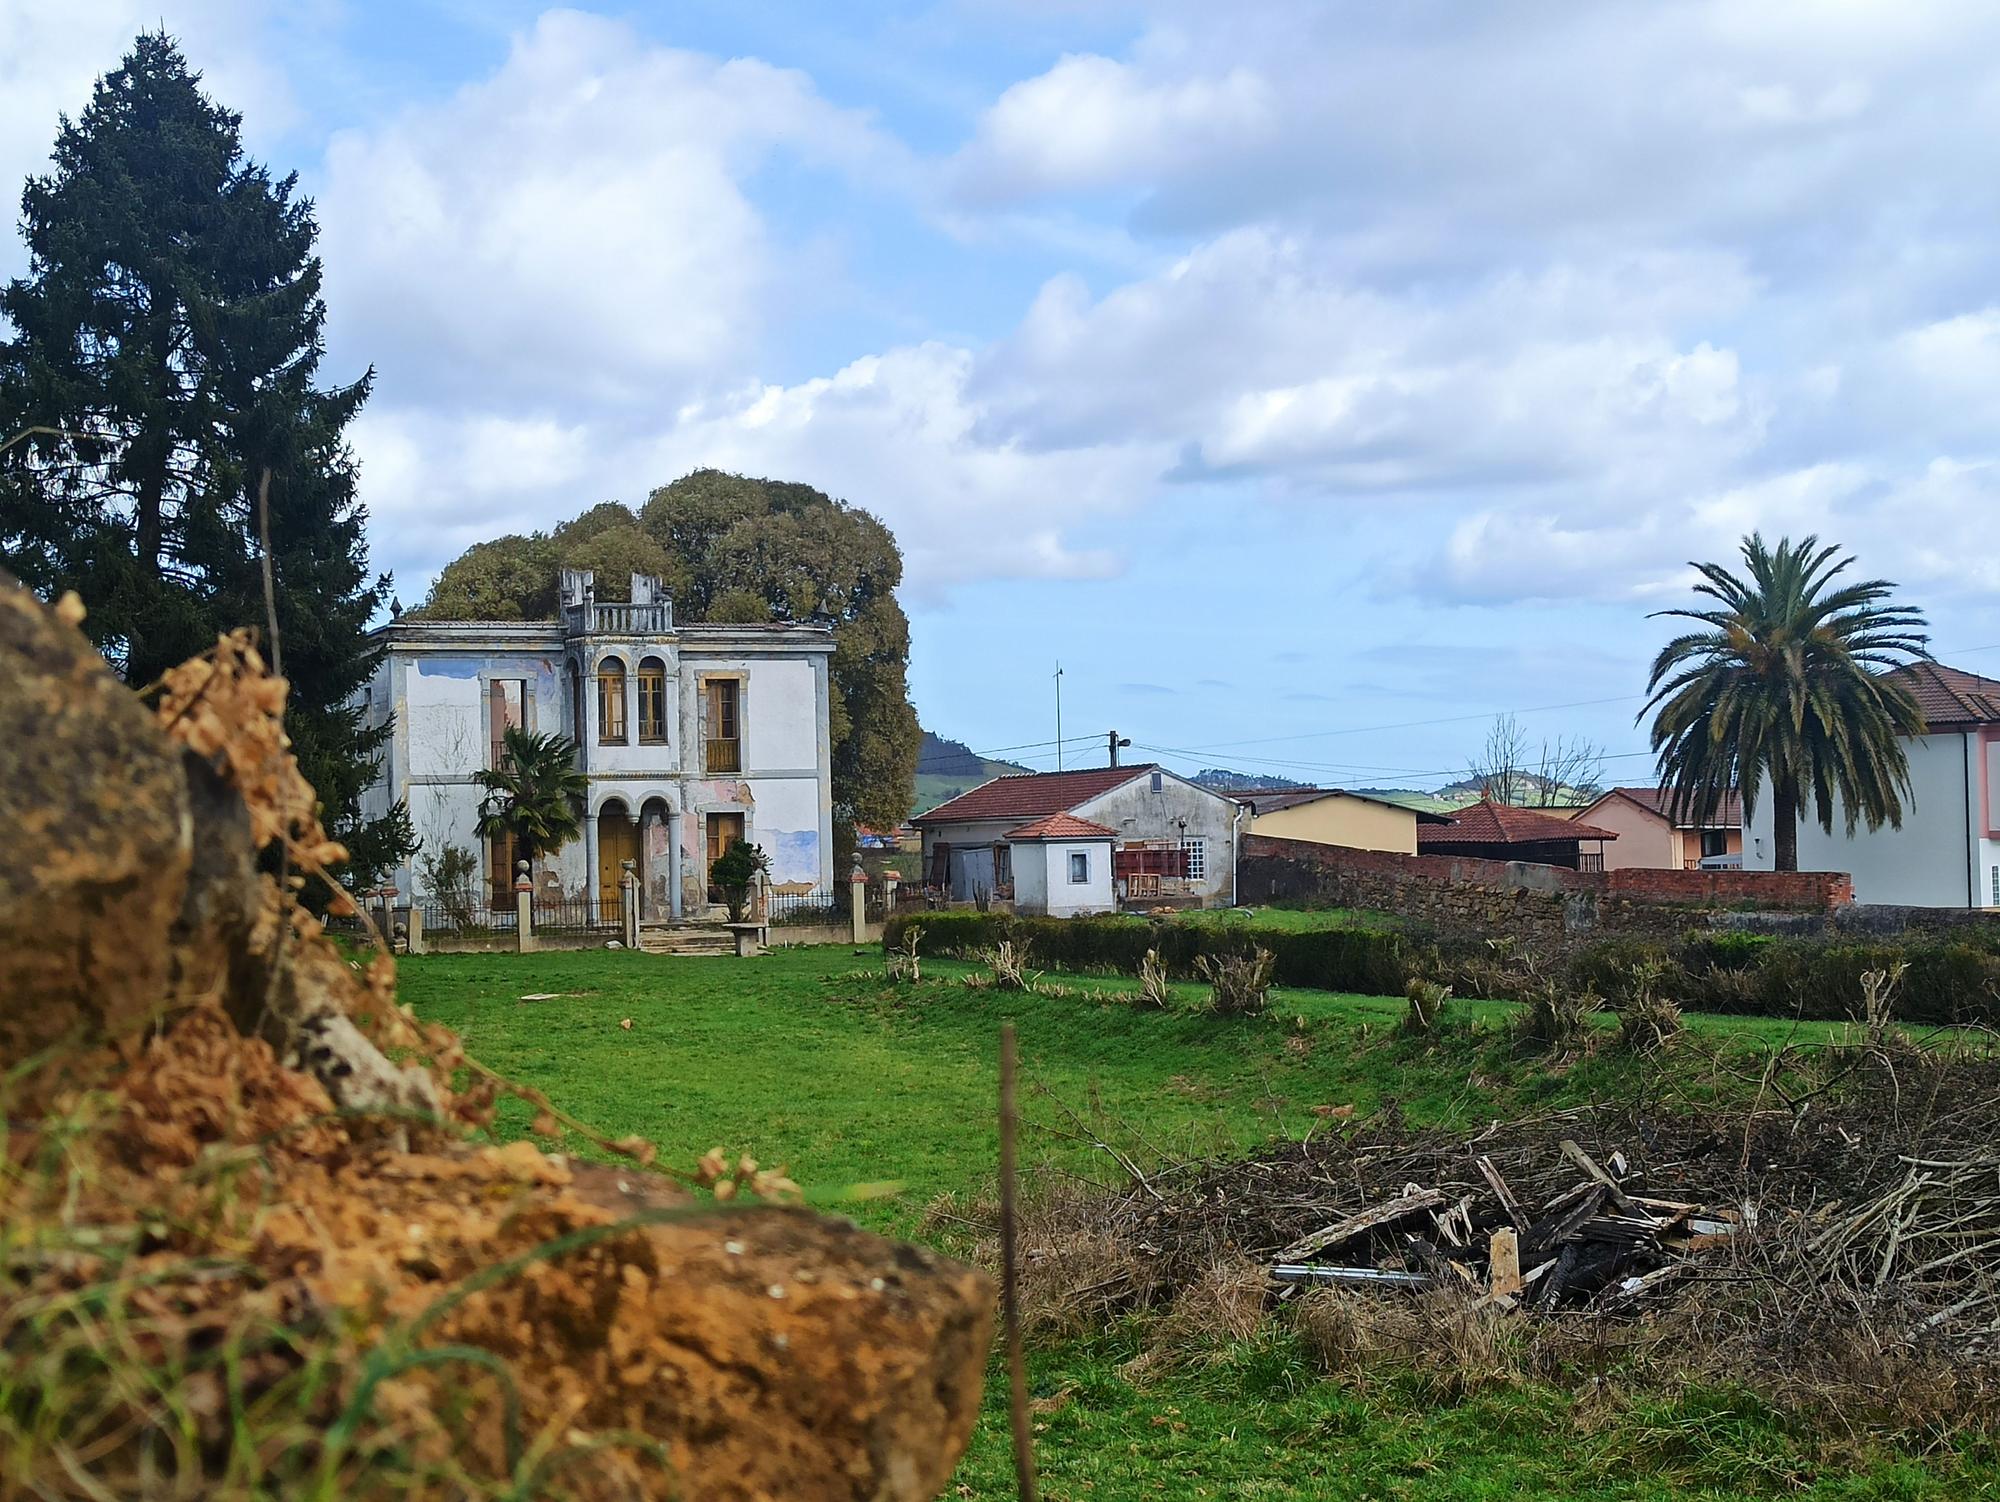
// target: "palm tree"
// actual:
[[1786, 683], [534, 795]]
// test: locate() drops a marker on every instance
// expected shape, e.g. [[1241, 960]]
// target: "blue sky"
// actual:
[[1311, 380]]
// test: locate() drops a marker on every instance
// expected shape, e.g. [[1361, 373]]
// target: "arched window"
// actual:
[[652, 702], [611, 702]]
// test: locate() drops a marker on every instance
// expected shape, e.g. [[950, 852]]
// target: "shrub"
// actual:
[[1426, 1011], [1945, 980], [1558, 1018], [734, 871], [1878, 1000], [902, 960], [1648, 1019], [1154, 991], [1239, 984], [1371, 962], [1010, 966]]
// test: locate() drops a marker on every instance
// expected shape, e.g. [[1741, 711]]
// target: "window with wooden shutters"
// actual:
[[722, 747], [611, 702], [652, 702]]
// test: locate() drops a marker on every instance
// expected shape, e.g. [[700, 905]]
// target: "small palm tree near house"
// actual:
[[1784, 684], [535, 796], [733, 871]]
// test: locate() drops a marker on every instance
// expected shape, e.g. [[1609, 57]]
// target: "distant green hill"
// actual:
[[946, 768]]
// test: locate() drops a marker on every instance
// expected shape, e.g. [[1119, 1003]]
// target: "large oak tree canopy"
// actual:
[[739, 550]]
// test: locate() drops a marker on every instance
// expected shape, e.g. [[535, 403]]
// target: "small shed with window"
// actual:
[[1061, 866], [1173, 842]]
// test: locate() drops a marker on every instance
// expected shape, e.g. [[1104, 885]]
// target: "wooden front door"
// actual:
[[724, 830], [617, 843]]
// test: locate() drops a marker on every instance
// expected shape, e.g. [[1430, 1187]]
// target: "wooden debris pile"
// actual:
[[1868, 1209], [1932, 1240], [1598, 1241]]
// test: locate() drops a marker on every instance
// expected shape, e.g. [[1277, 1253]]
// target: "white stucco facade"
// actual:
[[973, 844], [1063, 878], [638, 696], [1159, 805], [1947, 852]]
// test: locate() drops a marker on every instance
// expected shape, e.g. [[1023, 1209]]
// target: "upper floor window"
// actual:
[[611, 702], [722, 746], [506, 709], [652, 702]]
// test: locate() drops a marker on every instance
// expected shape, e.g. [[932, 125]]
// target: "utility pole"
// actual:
[[1115, 740], [1059, 759]]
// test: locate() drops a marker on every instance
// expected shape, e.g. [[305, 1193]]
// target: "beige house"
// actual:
[[1651, 838], [1327, 816]]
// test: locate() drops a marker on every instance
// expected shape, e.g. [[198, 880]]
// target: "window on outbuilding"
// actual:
[[611, 702], [1079, 868], [1194, 857]]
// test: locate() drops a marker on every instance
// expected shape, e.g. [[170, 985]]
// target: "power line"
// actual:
[[1033, 751]]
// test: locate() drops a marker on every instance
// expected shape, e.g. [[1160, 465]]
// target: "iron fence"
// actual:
[[804, 909], [874, 901], [577, 915], [468, 912]]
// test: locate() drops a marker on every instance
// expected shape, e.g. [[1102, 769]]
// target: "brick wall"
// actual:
[[1546, 906], [1780, 891]]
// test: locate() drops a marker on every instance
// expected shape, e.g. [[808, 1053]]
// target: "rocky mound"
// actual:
[[253, 1242]]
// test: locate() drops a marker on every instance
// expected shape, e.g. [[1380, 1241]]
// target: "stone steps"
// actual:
[[685, 939]]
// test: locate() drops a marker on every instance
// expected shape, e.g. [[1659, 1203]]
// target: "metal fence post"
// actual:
[[628, 905], [857, 902], [524, 910]]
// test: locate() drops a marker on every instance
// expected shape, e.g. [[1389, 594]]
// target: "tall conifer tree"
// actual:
[[166, 342]]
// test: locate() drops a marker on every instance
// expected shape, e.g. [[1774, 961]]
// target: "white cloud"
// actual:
[[894, 433], [1091, 122], [1253, 355], [575, 227]]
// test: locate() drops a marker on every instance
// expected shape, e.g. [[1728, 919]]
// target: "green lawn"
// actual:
[[807, 1057]]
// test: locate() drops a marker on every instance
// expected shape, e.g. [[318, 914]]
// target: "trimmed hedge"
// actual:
[[1951, 979], [1948, 981], [1372, 962]]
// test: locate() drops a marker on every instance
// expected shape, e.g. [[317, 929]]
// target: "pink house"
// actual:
[[1653, 838]]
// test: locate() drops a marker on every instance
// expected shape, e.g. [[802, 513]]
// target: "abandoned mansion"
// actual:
[[689, 737]]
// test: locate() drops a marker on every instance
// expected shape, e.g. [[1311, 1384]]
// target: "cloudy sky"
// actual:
[[1311, 380]]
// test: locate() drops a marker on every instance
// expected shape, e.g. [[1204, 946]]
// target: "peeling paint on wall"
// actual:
[[794, 857]]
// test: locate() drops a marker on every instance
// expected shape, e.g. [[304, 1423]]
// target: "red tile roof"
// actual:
[[1949, 696], [1029, 795], [1728, 813], [1062, 827], [1488, 823]]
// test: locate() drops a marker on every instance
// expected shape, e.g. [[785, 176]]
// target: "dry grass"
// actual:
[[1239, 984], [1649, 1020], [1425, 1014]]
